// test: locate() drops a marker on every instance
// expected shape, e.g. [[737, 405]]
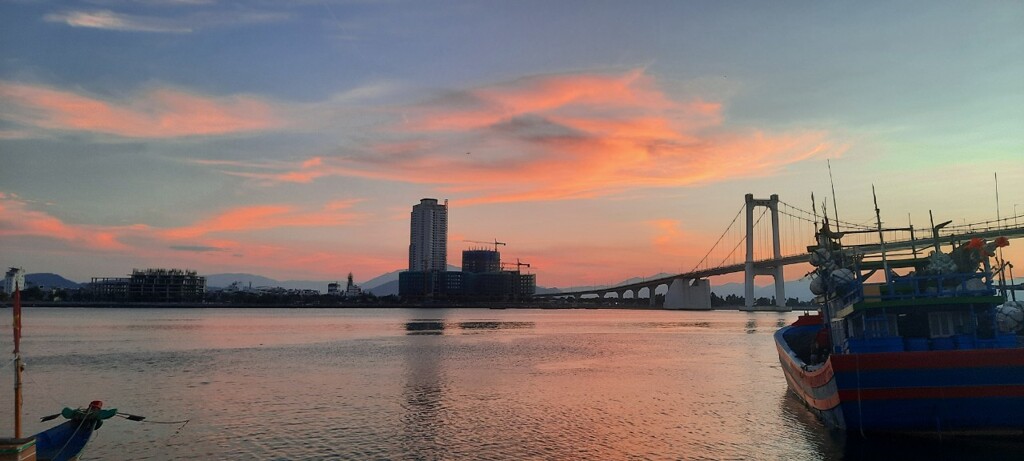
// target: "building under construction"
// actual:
[[481, 279], [162, 285]]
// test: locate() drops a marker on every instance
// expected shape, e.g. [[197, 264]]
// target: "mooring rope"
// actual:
[[183, 423]]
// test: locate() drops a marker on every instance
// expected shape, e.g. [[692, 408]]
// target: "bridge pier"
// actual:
[[775, 271], [684, 294]]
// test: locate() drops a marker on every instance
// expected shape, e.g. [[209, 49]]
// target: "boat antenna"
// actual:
[[996, 176], [835, 209], [881, 236]]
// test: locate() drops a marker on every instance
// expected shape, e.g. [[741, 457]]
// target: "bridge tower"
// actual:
[[773, 269]]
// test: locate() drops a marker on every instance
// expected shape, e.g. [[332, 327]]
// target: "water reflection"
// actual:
[[495, 325], [829, 444], [424, 327], [424, 390], [439, 326], [751, 326]]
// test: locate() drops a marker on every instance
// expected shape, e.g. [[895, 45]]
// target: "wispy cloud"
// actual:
[[109, 20], [262, 217], [226, 241], [175, 23], [195, 248], [557, 137], [18, 219], [157, 113]]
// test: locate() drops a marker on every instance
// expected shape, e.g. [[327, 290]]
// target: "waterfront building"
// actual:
[[165, 285], [351, 289], [333, 289], [428, 236], [15, 277], [430, 284]]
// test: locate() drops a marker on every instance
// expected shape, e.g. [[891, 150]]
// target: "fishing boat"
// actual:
[[63, 442], [934, 351]]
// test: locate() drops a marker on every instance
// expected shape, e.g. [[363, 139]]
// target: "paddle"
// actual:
[[131, 417], [47, 418]]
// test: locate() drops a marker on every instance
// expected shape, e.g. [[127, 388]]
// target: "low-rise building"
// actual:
[[15, 277]]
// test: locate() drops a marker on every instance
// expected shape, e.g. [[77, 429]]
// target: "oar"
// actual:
[[47, 418], [131, 417]]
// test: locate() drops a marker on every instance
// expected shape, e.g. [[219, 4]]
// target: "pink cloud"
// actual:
[[558, 137], [157, 113], [262, 217], [224, 242], [17, 219]]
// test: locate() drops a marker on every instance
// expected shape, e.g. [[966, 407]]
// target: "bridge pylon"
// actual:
[[774, 270]]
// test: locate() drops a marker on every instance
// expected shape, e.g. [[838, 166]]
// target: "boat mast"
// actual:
[[17, 361], [835, 208], [881, 237]]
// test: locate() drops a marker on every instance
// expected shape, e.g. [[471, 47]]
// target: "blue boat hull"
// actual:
[[65, 441], [956, 391]]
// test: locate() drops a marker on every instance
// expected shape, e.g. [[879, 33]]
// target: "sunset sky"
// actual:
[[600, 140]]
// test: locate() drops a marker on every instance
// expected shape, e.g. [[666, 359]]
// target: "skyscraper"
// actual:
[[428, 238]]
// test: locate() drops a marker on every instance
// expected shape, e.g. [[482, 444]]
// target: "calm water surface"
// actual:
[[320, 384]]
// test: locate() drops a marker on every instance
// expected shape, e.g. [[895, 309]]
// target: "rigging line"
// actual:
[[5, 364], [72, 437], [704, 259], [57, 403], [744, 239]]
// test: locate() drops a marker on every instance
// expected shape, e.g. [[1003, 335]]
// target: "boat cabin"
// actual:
[[917, 312]]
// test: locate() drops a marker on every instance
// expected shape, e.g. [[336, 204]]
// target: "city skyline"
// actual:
[[601, 141]]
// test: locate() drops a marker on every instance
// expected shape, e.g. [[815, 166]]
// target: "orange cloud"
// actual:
[[558, 137], [158, 113], [18, 220], [262, 217], [201, 245]]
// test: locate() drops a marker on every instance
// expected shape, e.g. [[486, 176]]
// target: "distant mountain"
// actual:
[[387, 284], [799, 289], [384, 289], [49, 280], [547, 291], [224, 280], [628, 281], [380, 280]]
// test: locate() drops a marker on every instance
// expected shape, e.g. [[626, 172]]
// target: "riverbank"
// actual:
[[208, 305]]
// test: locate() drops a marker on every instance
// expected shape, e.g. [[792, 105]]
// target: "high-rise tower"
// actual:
[[428, 238]]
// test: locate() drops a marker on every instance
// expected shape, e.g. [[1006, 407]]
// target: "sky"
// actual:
[[599, 140]]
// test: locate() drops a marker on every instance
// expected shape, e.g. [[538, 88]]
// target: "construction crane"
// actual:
[[495, 243], [519, 264]]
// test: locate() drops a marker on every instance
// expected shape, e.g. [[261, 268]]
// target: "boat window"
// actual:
[[880, 326], [944, 324]]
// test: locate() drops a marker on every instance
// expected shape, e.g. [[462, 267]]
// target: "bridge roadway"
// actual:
[[868, 249]]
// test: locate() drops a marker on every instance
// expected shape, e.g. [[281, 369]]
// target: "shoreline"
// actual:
[[202, 305]]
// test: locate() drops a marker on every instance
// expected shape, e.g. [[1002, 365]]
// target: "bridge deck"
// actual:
[[870, 249]]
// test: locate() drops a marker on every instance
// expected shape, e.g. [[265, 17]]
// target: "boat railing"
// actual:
[[928, 286]]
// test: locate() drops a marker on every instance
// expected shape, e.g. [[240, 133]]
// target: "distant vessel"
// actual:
[[932, 351]]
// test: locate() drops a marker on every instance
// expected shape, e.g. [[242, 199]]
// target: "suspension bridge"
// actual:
[[775, 234]]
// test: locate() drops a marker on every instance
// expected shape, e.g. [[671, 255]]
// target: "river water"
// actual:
[[426, 384]]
